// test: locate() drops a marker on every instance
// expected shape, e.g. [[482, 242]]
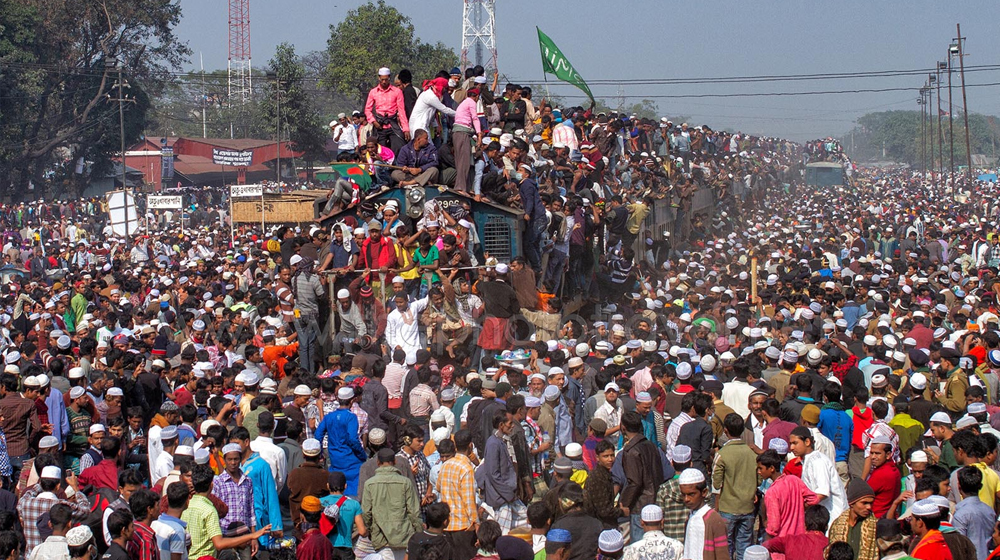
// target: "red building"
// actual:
[[206, 161]]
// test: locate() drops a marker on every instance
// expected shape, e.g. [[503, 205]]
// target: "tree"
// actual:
[[285, 91], [896, 136], [56, 58], [373, 36]]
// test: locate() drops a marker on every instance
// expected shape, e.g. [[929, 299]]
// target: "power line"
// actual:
[[775, 93], [765, 78], [598, 81]]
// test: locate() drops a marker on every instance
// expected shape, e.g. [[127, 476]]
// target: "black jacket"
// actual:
[[643, 472], [585, 530]]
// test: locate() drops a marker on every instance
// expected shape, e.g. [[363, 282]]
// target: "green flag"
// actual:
[[353, 172], [555, 63]]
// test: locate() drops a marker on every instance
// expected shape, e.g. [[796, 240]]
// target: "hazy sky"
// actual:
[[656, 39]]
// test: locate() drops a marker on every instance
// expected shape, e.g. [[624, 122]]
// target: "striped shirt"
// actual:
[[620, 269], [286, 301], [422, 401], [142, 545], [18, 416]]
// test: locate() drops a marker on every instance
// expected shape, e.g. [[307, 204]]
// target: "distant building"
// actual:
[[178, 161]]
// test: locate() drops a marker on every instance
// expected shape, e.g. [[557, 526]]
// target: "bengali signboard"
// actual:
[[237, 191], [161, 202], [233, 158]]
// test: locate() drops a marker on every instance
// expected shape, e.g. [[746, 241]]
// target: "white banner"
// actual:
[[122, 213], [246, 190], [235, 158], [161, 202]]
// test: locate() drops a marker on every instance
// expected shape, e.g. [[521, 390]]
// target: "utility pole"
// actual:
[[277, 99], [277, 132], [965, 106], [952, 50], [940, 66], [112, 65], [204, 98], [923, 147], [930, 119]]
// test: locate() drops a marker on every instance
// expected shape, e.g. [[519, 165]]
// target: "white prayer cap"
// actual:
[[652, 513], [51, 472], [691, 476]]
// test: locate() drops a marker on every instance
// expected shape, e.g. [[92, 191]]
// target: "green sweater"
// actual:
[[735, 475]]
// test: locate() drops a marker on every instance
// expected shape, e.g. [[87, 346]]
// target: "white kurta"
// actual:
[[274, 456], [424, 109], [403, 329], [820, 475]]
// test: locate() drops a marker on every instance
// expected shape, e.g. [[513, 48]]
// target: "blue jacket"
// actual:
[[343, 446], [266, 509], [497, 477], [835, 424], [531, 201], [424, 159]]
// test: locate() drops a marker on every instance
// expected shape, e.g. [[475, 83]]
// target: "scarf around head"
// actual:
[[438, 84]]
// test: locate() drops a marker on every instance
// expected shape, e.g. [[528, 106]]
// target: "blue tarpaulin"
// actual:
[[988, 177]]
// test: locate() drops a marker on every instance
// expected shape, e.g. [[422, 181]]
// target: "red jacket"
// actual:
[[375, 256], [862, 421]]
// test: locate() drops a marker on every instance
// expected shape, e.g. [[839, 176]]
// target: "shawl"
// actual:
[[840, 528]]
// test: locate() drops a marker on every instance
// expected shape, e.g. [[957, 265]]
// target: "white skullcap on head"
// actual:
[[925, 508], [691, 476], [311, 447], [610, 541], [79, 536], [681, 453], [51, 472], [343, 293], [683, 370], [231, 448], [201, 456], [652, 513], [440, 434], [384, 71], [941, 418]]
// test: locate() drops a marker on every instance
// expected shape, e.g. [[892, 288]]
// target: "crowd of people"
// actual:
[[802, 373]]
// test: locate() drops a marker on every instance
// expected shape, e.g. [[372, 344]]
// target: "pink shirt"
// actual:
[[386, 102], [784, 503], [566, 136], [465, 115], [641, 380], [393, 380]]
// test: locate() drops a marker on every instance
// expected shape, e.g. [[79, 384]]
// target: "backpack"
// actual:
[[100, 500], [331, 517]]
